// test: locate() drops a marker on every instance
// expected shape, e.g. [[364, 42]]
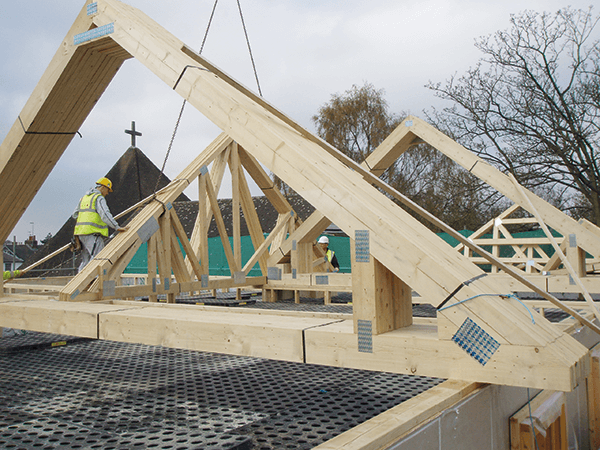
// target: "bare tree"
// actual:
[[446, 189], [531, 105], [354, 122], [357, 121]]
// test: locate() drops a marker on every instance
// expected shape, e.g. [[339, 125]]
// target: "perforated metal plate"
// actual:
[[476, 341], [321, 279], [572, 240], [361, 246], [94, 33], [239, 277], [108, 288], [92, 9], [365, 336], [148, 229], [273, 273]]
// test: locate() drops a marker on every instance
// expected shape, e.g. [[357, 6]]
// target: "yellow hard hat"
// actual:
[[106, 183]]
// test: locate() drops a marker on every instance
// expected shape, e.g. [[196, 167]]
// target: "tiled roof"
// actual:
[[134, 177], [267, 215]]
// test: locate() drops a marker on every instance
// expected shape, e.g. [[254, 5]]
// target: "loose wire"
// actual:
[[162, 170], [249, 49], [492, 295], [531, 421]]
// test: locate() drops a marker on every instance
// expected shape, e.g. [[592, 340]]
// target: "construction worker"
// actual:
[[324, 244], [93, 219], [9, 274]]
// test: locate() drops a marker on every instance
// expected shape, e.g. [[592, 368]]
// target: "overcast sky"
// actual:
[[304, 50]]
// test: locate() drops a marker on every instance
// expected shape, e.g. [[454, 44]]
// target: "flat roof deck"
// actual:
[[72, 393]]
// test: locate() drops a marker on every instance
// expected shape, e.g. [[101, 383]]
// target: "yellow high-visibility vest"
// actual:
[[330, 255], [88, 220], [8, 274]]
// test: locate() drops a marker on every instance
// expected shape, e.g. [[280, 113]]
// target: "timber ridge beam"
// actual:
[[517, 346]]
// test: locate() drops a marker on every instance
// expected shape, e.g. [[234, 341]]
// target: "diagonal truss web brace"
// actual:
[[327, 179]]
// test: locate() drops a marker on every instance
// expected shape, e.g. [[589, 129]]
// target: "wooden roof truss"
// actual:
[[481, 334]]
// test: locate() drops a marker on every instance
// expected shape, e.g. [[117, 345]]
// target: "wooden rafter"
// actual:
[[199, 233], [565, 261], [253, 222], [214, 203], [339, 189], [414, 128], [261, 250]]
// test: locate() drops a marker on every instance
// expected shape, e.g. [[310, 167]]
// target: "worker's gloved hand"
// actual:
[[121, 229]]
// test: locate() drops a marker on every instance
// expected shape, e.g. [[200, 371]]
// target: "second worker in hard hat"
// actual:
[[324, 243], [93, 220]]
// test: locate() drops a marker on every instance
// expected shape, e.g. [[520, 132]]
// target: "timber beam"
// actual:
[[414, 130], [526, 349], [70, 87], [314, 338]]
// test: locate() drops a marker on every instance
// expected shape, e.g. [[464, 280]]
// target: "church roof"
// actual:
[[134, 177]]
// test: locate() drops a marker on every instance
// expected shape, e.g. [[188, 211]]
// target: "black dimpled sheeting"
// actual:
[[109, 395]]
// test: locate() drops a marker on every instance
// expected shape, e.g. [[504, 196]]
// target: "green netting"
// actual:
[[339, 244], [216, 258], [218, 261]]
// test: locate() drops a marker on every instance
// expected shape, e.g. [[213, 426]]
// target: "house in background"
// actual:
[[15, 253]]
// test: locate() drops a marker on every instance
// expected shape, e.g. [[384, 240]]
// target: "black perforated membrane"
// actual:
[[110, 395], [30, 341], [555, 315], [340, 303]]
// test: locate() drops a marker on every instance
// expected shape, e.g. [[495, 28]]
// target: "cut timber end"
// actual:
[[416, 350]]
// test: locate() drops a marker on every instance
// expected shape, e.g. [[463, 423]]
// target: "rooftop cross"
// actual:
[[133, 133]]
